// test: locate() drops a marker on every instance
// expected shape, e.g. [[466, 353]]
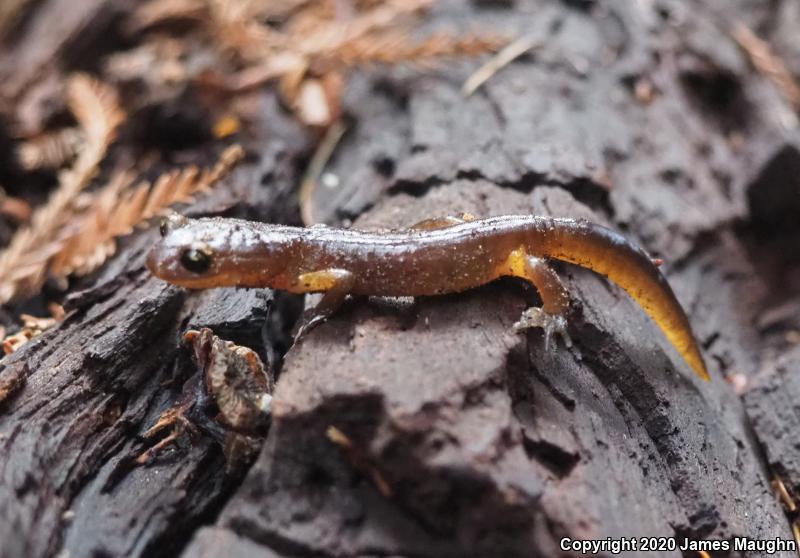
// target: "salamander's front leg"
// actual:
[[555, 298], [336, 284]]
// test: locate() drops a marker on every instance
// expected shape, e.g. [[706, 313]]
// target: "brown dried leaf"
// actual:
[[31, 327]]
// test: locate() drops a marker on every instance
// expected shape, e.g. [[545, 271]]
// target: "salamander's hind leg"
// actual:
[[336, 284], [555, 298], [442, 222]]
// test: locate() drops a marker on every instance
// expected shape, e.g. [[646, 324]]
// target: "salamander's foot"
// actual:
[[335, 284], [550, 323]]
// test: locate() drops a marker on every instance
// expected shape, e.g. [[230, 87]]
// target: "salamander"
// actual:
[[434, 257]]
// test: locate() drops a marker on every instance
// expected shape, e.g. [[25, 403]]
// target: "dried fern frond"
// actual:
[[160, 12], [326, 38], [96, 108], [15, 209], [50, 150], [310, 32], [398, 48], [155, 62], [24, 263], [315, 38], [115, 210], [235, 31]]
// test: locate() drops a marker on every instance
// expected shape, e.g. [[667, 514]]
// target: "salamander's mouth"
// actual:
[[152, 261]]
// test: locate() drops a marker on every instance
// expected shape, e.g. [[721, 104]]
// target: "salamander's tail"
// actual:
[[612, 255]]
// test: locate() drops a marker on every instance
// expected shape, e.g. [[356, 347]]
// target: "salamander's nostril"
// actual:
[[151, 261]]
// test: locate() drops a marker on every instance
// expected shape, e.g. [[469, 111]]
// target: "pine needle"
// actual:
[[24, 263], [509, 53], [117, 209], [321, 157]]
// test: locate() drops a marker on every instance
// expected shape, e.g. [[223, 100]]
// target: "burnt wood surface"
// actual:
[[465, 439]]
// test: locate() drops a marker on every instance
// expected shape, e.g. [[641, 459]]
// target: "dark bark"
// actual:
[[467, 440]]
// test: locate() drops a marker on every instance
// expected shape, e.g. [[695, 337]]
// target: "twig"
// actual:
[[780, 488], [311, 178], [796, 533], [768, 63], [510, 52]]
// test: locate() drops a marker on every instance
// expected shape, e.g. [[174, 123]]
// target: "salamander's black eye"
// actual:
[[163, 227], [196, 260]]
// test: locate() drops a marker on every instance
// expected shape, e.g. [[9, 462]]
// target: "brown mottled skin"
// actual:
[[437, 257]]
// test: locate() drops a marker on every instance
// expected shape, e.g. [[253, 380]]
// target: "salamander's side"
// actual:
[[612, 255]]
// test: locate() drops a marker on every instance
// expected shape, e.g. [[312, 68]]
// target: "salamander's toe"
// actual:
[[550, 323], [308, 321]]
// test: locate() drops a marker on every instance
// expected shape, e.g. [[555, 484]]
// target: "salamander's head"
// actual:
[[206, 253]]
